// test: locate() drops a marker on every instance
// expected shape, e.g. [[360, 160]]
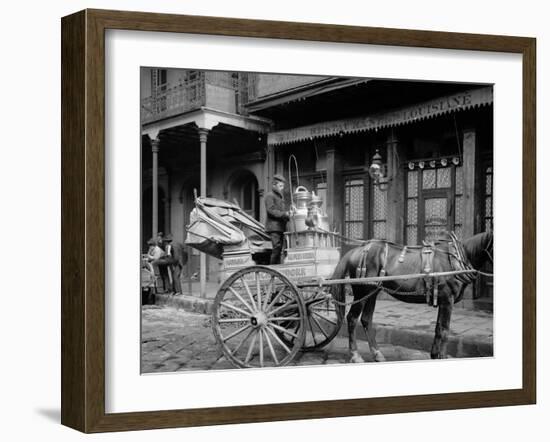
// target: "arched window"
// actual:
[[243, 188]]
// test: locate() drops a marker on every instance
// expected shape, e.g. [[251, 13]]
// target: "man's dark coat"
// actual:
[[276, 212]]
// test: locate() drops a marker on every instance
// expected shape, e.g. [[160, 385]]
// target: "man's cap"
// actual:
[[278, 177], [168, 237]]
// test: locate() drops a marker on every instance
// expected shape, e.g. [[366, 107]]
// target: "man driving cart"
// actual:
[[277, 217]]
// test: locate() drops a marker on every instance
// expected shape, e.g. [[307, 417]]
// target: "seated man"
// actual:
[[155, 251], [277, 217]]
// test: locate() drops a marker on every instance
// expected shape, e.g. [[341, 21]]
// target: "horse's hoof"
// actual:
[[438, 356], [378, 356], [356, 358]]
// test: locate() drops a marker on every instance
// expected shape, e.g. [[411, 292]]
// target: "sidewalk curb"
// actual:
[[188, 303], [457, 346]]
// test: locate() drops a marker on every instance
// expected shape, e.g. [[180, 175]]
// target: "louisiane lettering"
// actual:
[[438, 106]]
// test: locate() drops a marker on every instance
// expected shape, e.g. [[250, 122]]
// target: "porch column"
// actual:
[[470, 165], [396, 191], [203, 135], [155, 143], [270, 167], [335, 190], [269, 171], [167, 212]]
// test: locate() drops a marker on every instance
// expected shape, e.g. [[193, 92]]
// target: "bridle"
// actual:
[[486, 249]]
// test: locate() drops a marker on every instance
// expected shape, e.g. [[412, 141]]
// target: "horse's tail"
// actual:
[[337, 290]]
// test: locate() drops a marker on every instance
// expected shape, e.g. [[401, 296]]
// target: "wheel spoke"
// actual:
[[269, 292], [250, 349], [236, 332], [241, 299], [281, 343], [312, 331], [225, 320], [271, 350], [323, 310], [319, 325], [237, 348], [275, 299], [324, 318], [317, 301], [248, 291], [284, 330], [237, 309], [283, 307], [285, 318], [258, 291], [261, 342]]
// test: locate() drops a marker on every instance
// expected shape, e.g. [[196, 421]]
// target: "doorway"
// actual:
[[147, 216], [434, 203], [243, 189]]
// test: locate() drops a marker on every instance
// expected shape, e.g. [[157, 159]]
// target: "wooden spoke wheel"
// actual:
[[322, 321], [258, 318]]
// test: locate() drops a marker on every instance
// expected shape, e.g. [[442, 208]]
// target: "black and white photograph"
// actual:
[[292, 220], [275, 221]]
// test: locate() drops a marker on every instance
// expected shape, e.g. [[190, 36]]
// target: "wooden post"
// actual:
[[335, 190], [396, 192], [269, 171], [470, 165], [203, 136], [155, 221]]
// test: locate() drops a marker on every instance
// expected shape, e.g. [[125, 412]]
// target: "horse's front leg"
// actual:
[[366, 321], [439, 347], [352, 317]]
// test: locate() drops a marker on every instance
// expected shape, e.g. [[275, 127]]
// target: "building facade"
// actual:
[[225, 135]]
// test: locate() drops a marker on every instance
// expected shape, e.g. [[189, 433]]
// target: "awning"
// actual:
[[417, 112], [303, 91]]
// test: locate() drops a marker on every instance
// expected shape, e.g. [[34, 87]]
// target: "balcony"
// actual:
[[223, 91]]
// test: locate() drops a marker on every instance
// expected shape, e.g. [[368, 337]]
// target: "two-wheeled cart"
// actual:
[[262, 316]]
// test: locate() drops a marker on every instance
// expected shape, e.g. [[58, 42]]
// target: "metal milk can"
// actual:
[[317, 217], [302, 199]]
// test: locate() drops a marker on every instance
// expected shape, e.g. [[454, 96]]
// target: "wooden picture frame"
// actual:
[[83, 220]]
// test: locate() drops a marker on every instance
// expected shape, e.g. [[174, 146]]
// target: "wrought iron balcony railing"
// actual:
[[219, 90]]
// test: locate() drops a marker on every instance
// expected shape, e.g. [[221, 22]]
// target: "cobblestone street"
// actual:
[[176, 340]]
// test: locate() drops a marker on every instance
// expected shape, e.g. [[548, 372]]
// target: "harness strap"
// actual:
[[430, 284], [427, 259], [459, 261], [402, 256], [362, 267], [384, 260]]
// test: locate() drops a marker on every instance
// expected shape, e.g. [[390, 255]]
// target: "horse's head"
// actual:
[[479, 249]]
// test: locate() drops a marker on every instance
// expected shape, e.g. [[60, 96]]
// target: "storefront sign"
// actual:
[[428, 109]]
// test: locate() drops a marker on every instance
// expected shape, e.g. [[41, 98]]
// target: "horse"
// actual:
[[384, 258]]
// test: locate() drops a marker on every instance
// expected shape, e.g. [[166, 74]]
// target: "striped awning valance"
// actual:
[[428, 109]]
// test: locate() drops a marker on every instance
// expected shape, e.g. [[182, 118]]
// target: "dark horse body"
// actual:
[[383, 258]]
